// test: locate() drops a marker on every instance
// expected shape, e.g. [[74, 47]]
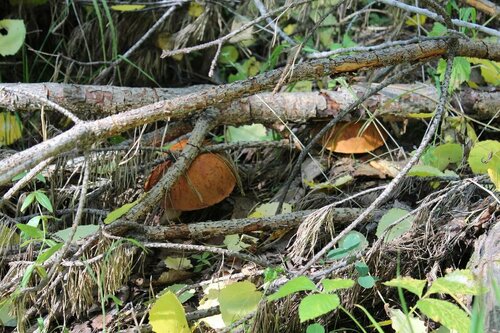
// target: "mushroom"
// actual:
[[349, 138], [209, 179]]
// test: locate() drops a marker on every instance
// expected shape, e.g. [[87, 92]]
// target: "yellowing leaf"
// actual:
[[234, 243], [127, 8], [195, 9], [167, 315], [494, 174], [484, 155], [10, 126], [290, 29], [178, 263], [416, 20], [446, 313], [490, 70], [269, 209], [238, 300], [13, 39]]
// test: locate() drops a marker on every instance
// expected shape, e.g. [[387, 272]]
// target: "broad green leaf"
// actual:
[[82, 231], [445, 313], [441, 156], [361, 268], [484, 155], [127, 8], [402, 323], [349, 244], [412, 285], [30, 198], [228, 55], [254, 132], [425, 171], [315, 328], [238, 300], [167, 315], [437, 30], [330, 285], [44, 200], [490, 70], [272, 273], [313, 306], [269, 209], [119, 212], [30, 231], [397, 230], [188, 294], [43, 257], [300, 283], [178, 263], [302, 86], [12, 38], [366, 282], [6, 319], [459, 74], [11, 128], [459, 282], [234, 243]]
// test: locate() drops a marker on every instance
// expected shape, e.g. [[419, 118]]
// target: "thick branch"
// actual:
[[86, 133]]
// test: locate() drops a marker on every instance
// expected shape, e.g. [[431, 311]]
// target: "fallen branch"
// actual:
[[84, 134]]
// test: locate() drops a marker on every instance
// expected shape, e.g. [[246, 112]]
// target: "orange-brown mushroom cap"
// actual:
[[209, 180], [349, 138]]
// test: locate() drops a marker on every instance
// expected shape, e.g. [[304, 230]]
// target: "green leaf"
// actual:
[[178, 263], [28, 201], [127, 8], [460, 72], [425, 171], [330, 285], [238, 300], [185, 296], [6, 319], [254, 132], [302, 86], [228, 55], [30, 231], [269, 209], [484, 155], [490, 70], [315, 328], [459, 282], [313, 306], [441, 156], [300, 283], [494, 174], [44, 200], [44, 256], [82, 231], [366, 282], [119, 212], [437, 30], [412, 285], [445, 313], [361, 268], [397, 230], [272, 273], [13, 39], [402, 323], [352, 242], [234, 243], [167, 315]]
